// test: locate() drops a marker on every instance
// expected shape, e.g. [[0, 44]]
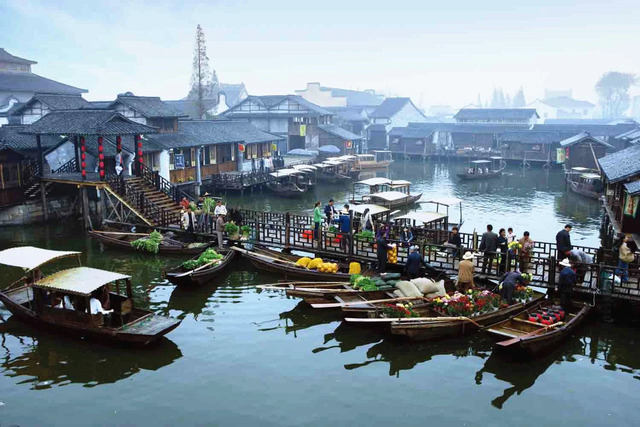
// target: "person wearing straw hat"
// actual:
[[465, 273], [566, 280]]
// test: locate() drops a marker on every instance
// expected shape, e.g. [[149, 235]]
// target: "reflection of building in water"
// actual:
[[45, 361]]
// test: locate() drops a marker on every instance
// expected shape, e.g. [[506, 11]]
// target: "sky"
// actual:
[[436, 52]]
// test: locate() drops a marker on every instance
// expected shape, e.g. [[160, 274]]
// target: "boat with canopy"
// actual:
[[386, 192], [289, 183], [482, 169], [67, 300], [586, 182]]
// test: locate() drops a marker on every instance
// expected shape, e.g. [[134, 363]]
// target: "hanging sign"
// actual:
[[178, 161], [560, 157], [303, 130], [241, 148], [631, 205]]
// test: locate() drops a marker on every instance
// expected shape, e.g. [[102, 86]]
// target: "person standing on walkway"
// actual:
[[488, 245], [511, 236], [406, 237], [525, 252], [344, 221], [563, 242], [383, 230], [317, 220], [454, 242], [330, 212], [261, 164], [625, 256], [414, 261], [465, 273], [566, 280], [367, 221], [382, 249], [502, 245]]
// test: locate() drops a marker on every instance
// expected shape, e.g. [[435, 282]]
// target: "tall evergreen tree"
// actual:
[[201, 74], [613, 91], [497, 101], [518, 99]]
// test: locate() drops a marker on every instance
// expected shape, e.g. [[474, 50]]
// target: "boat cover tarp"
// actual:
[[30, 257], [375, 181], [79, 280], [390, 196], [423, 217]]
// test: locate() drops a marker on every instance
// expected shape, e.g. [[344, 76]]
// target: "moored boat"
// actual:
[[526, 335], [182, 276], [323, 294], [169, 245], [289, 183], [66, 300], [481, 169], [387, 193], [586, 182]]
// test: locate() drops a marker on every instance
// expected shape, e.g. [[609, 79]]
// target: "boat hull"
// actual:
[[112, 241], [198, 278], [583, 190]]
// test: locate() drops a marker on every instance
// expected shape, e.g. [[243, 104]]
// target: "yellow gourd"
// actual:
[[315, 263], [303, 262], [354, 268]]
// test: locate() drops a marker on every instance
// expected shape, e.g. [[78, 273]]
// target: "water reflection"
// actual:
[[302, 316], [46, 360]]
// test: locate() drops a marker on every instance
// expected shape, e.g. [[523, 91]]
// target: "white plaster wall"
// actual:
[[61, 155], [319, 97], [279, 125], [407, 114], [162, 160]]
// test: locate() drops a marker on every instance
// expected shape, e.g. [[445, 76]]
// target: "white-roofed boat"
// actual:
[[386, 192], [482, 169], [62, 300]]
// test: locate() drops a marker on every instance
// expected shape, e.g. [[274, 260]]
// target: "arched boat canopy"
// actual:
[[30, 257]]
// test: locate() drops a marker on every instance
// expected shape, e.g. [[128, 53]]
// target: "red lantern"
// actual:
[[84, 174], [101, 156], [102, 174], [84, 156], [139, 144], [101, 165], [140, 160], [118, 139], [100, 149], [84, 165], [140, 153], [241, 148], [83, 148]]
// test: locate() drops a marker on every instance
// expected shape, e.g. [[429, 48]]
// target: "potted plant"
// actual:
[[232, 230], [245, 231]]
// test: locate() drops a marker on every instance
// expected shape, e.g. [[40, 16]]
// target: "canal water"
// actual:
[[245, 357]]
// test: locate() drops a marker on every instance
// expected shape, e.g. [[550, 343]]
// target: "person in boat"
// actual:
[[582, 261], [625, 256], [563, 242], [345, 228], [502, 246], [317, 219], [367, 221], [508, 283], [64, 302], [566, 280], [95, 306], [465, 273], [525, 252], [406, 237], [488, 245], [381, 253], [414, 261], [454, 242], [330, 212]]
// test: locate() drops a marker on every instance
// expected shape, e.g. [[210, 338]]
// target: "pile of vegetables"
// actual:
[[205, 258], [354, 268], [392, 255], [303, 262], [328, 267], [362, 283], [245, 230], [365, 235], [149, 244], [231, 228]]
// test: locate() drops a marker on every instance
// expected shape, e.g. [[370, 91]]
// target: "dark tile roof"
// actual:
[[148, 106], [583, 137], [604, 131], [210, 132], [566, 102], [389, 107], [569, 121], [355, 97], [101, 105], [7, 57], [633, 188], [187, 107], [350, 114], [55, 102], [29, 82], [378, 127], [412, 132], [11, 136], [270, 101], [339, 132], [86, 122], [534, 137], [495, 113], [622, 164]]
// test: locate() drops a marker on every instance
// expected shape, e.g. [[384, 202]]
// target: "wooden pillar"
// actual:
[[39, 159], [351, 236], [43, 196], [287, 230], [85, 208]]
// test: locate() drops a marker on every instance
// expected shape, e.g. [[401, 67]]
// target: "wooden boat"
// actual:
[[120, 239], [434, 325], [285, 264], [586, 182], [377, 160], [325, 294], [180, 276], [287, 190], [34, 299], [526, 337], [479, 169], [387, 193], [288, 183]]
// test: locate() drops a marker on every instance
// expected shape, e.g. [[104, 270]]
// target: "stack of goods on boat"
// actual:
[[201, 269], [154, 242]]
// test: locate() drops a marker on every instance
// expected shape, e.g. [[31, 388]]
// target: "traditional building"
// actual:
[[11, 169], [18, 84], [392, 113], [289, 116], [513, 116], [563, 107], [413, 141], [224, 96], [334, 97], [621, 176], [583, 150], [42, 103]]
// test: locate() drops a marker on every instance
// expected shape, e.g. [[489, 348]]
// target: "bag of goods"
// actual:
[[408, 289], [303, 262], [440, 292], [398, 294], [390, 276], [425, 285], [354, 268], [392, 255], [315, 263]]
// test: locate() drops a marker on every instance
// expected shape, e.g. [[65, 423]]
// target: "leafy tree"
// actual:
[[201, 74], [497, 100], [518, 99], [613, 91]]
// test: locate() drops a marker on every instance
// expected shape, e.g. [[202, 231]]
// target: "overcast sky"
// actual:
[[437, 52]]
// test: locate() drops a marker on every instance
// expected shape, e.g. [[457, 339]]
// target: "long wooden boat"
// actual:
[[530, 338], [35, 300], [286, 190], [473, 176], [332, 178], [120, 239], [324, 294], [392, 199], [285, 264], [180, 276]]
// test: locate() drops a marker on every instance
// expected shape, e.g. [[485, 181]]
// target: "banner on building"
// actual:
[[631, 205], [560, 157], [303, 130]]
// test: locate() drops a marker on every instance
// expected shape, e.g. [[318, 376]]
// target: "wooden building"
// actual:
[[583, 150], [413, 141], [512, 116], [42, 103], [335, 135], [12, 165], [621, 176], [392, 113]]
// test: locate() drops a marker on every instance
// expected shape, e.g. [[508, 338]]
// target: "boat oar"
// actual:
[[410, 319], [352, 303], [286, 285], [215, 261]]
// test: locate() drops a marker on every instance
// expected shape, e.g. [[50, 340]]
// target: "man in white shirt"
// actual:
[[220, 209], [95, 307]]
